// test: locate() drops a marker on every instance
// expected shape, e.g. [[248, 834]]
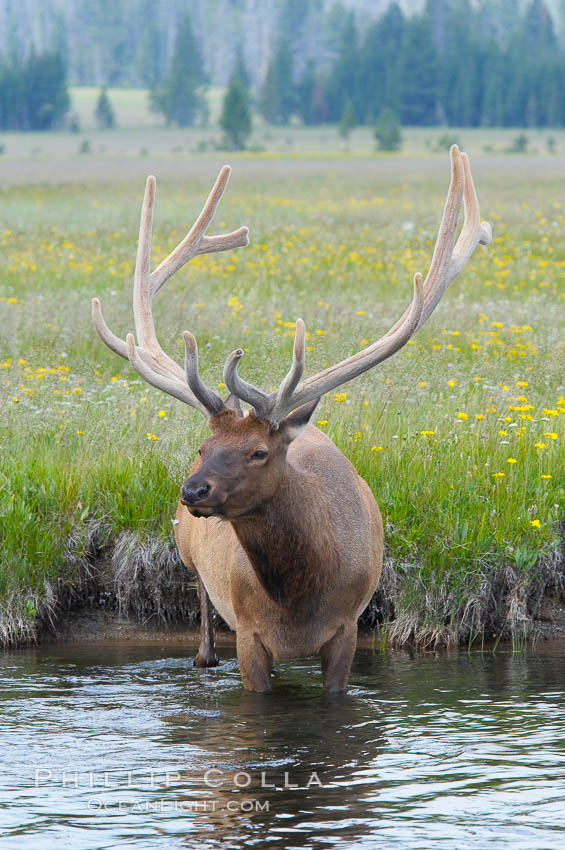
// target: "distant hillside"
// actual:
[[130, 42]]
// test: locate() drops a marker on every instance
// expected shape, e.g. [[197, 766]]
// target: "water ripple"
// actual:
[[130, 744]]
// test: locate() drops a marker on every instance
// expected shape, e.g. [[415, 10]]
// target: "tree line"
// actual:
[[435, 68], [439, 67], [444, 66]]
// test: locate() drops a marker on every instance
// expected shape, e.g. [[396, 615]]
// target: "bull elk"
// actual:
[[285, 537]]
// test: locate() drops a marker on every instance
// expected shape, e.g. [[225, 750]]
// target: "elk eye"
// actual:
[[260, 454], [199, 452]]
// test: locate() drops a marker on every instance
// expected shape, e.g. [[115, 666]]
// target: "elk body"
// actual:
[[285, 537]]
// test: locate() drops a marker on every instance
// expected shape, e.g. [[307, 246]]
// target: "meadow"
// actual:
[[460, 435]]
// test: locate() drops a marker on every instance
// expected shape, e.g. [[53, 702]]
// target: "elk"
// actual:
[[285, 538]]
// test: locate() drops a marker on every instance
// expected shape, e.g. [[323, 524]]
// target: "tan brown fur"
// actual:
[[301, 567]]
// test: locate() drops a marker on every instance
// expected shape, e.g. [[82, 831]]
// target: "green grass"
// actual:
[[340, 249], [131, 107], [141, 135]]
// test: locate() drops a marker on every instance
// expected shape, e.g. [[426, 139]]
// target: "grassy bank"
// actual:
[[460, 436]]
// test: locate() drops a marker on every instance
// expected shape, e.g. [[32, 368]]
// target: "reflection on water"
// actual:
[[104, 746]]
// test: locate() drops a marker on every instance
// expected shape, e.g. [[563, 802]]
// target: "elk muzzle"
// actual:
[[192, 494]]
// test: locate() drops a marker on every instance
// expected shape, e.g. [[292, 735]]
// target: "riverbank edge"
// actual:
[[136, 588]]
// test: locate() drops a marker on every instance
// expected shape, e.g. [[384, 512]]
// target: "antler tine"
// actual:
[[149, 350], [169, 385], [110, 339], [448, 260], [293, 376], [340, 373], [206, 396], [142, 294], [443, 250], [473, 231], [266, 406], [195, 242], [444, 247], [244, 391], [274, 407], [148, 358]]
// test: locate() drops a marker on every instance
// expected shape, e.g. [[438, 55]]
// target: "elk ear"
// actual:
[[294, 424], [232, 402]]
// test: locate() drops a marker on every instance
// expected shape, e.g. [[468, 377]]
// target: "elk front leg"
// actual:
[[255, 662], [206, 655], [337, 656]]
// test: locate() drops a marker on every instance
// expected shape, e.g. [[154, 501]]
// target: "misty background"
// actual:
[[442, 62]]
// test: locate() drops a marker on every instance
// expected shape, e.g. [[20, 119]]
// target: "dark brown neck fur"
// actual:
[[290, 543]]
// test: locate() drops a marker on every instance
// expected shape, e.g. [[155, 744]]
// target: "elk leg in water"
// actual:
[[206, 656], [337, 656], [255, 663]]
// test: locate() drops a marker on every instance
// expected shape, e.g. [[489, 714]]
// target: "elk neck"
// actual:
[[290, 541]]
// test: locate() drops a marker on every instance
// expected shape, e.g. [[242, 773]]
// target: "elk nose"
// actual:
[[190, 496]]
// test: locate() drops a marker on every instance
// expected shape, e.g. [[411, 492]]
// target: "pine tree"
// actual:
[[149, 55], [45, 90], [348, 120], [387, 131], [305, 94], [13, 96], [343, 80], [104, 112], [419, 73], [239, 72], [494, 87], [459, 91], [380, 71], [277, 100], [235, 120], [180, 98]]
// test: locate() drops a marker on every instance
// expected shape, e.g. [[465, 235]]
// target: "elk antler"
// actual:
[[449, 258], [148, 358]]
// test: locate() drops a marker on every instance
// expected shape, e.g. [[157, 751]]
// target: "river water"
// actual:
[[113, 745]]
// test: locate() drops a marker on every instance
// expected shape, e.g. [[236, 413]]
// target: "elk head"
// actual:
[[242, 464]]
